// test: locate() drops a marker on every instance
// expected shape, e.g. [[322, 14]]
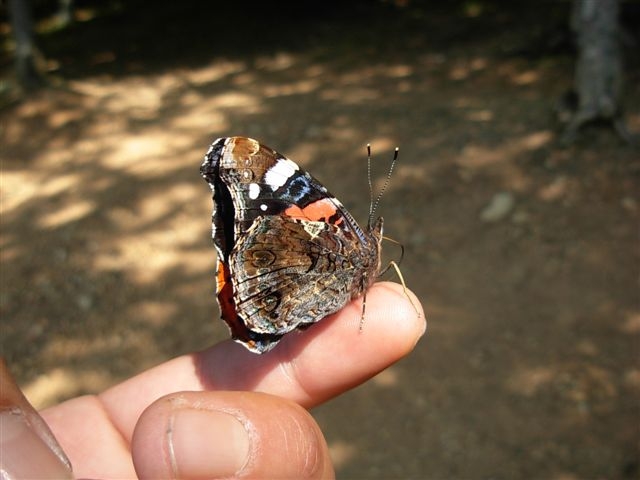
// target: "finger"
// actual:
[[94, 444], [308, 367], [23, 430], [228, 434]]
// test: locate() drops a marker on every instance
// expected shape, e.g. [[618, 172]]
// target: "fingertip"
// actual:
[[403, 310]]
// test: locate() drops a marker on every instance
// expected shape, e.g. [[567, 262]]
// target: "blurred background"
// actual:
[[523, 248]]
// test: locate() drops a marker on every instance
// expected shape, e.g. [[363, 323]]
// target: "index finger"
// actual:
[[307, 367]]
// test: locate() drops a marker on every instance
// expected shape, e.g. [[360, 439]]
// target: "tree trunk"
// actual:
[[25, 56], [598, 76]]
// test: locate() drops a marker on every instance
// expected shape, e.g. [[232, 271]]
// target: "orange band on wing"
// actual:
[[316, 211], [225, 294], [222, 276]]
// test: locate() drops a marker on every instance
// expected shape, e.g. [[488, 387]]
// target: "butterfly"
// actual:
[[289, 253]]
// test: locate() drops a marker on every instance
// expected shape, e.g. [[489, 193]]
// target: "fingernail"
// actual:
[[207, 444], [24, 454]]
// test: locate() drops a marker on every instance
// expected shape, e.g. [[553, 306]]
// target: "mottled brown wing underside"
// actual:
[[282, 266]]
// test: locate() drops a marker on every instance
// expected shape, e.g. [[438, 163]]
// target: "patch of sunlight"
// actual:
[[526, 78], [476, 156], [398, 71], [632, 378], [277, 62], [60, 118], [459, 72], [201, 118], [595, 378], [152, 313], [342, 133], [135, 94], [577, 382], [528, 382], [68, 348], [58, 383], [16, 189], [213, 73], [236, 100], [554, 190], [95, 88], [149, 257], [314, 71], [243, 79], [177, 231], [378, 145], [587, 347], [59, 184], [74, 211], [462, 69], [296, 88], [84, 14], [465, 102], [8, 253], [536, 140], [191, 99], [342, 453], [478, 63], [145, 97], [480, 115], [350, 95], [631, 324], [408, 175], [169, 239], [301, 153], [387, 378], [164, 204], [144, 148]]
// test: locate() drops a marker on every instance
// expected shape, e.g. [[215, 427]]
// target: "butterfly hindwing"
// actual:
[[283, 266]]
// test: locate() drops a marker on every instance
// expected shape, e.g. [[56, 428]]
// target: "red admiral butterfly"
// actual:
[[289, 253]]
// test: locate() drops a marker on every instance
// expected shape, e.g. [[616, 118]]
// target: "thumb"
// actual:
[[228, 434]]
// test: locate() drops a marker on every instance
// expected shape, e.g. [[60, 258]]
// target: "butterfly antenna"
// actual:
[[374, 207], [370, 186]]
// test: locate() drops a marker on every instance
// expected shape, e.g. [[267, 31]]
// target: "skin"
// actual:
[[226, 412]]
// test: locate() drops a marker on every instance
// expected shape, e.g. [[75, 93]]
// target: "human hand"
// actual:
[[227, 412]]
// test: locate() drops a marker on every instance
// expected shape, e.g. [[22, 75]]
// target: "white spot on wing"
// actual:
[[254, 191], [263, 207], [278, 175], [314, 228]]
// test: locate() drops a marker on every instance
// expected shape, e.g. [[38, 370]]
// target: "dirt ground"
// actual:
[[524, 254]]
